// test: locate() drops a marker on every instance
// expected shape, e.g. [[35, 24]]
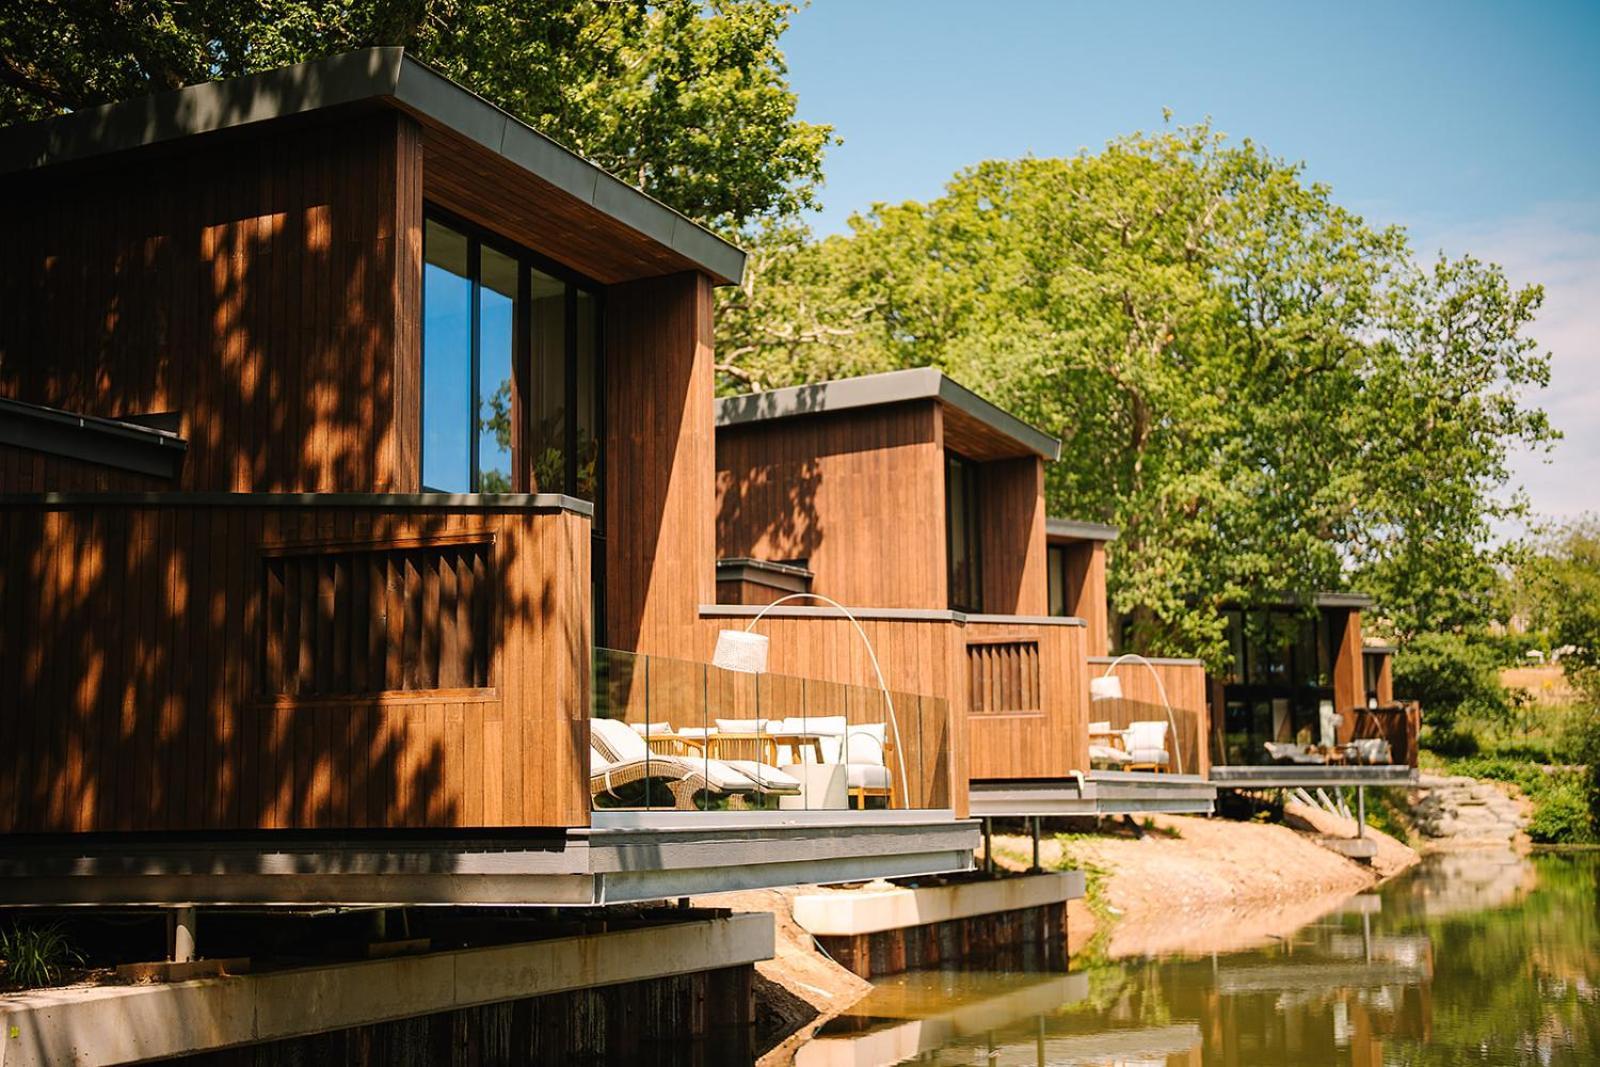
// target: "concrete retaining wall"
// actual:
[[872, 934], [91, 1025]]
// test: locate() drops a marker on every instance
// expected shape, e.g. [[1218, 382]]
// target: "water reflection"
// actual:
[[1476, 958]]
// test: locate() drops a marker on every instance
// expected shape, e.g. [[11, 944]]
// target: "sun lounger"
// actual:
[[626, 747], [1289, 752]]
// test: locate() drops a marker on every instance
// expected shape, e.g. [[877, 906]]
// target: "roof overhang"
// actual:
[[372, 76], [892, 387], [1073, 530], [1315, 600], [118, 443]]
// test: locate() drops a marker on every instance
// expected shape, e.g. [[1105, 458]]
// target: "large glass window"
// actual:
[[961, 533], [1056, 556], [447, 393], [511, 370]]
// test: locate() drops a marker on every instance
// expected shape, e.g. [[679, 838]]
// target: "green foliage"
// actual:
[[688, 99], [1564, 809], [35, 956], [1386, 813], [1263, 391], [1560, 587], [1453, 676]]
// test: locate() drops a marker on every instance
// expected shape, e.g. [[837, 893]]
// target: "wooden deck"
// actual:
[[1310, 776]]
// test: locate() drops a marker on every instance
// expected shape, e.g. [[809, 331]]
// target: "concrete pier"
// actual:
[[565, 1000], [963, 919]]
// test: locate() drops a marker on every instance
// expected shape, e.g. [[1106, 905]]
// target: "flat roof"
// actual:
[[382, 76], [1074, 530], [124, 444], [1318, 600], [873, 390]]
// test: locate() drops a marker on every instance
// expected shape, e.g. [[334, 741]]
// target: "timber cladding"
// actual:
[[157, 689], [858, 494], [1184, 682], [266, 286], [1009, 738]]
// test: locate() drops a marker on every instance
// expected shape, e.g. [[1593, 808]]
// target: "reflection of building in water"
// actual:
[[952, 1018], [1335, 993]]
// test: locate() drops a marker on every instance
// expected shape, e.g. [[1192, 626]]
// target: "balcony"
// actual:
[[335, 699], [686, 736]]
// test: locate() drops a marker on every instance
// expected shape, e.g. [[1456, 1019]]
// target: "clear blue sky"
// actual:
[[1476, 125]]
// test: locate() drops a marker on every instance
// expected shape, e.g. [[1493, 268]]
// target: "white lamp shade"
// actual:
[[1106, 687], [738, 650]]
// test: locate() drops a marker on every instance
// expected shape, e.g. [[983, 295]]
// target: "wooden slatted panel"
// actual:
[[437, 588], [138, 652], [1003, 676]]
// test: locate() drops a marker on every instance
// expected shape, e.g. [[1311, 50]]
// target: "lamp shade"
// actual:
[[1106, 687], [738, 650]]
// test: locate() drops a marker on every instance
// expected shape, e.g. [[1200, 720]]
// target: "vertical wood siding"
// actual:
[[266, 287], [659, 457], [1185, 683], [138, 690], [1049, 742], [858, 494], [1011, 503]]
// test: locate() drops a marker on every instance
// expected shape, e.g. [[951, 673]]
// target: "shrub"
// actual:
[[1561, 814], [35, 955], [1452, 676]]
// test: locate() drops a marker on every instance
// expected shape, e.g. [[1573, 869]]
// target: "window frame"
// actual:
[[973, 529], [479, 237], [528, 260]]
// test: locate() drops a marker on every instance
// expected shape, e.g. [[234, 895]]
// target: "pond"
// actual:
[[1471, 958]]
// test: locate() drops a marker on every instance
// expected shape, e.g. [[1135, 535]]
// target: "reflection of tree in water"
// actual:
[[1521, 984]]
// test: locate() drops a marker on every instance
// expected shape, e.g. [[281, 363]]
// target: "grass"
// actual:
[[1095, 899], [35, 956]]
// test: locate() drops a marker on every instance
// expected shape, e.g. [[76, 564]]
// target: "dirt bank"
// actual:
[[799, 988], [1207, 885]]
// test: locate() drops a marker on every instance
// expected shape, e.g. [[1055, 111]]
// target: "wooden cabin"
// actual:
[[343, 419], [1300, 679], [919, 506]]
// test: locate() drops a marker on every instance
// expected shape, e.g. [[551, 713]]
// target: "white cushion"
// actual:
[[1147, 755], [823, 725], [744, 726], [768, 777], [724, 777], [864, 744], [867, 776], [1100, 727], [619, 739], [1146, 734], [650, 729], [1107, 754], [598, 764]]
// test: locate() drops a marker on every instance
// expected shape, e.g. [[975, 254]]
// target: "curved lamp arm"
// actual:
[[1177, 743], [894, 721]]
